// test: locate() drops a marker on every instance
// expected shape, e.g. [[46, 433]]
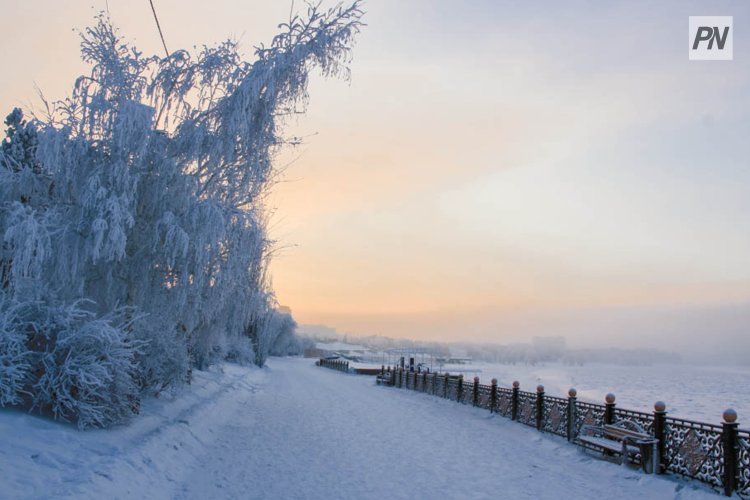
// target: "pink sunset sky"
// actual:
[[492, 170]]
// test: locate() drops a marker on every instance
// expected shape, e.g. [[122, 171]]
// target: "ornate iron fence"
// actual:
[[743, 462], [644, 420], [504, 402], [438, 387], [452, 389], [556, 416], [334, 364], [718, 455], [527, 408], [484, 399], [588, 414], [467, 392], [695, 450]]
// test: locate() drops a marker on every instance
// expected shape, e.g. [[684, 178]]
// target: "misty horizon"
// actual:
[[683, 330], [491, 172]]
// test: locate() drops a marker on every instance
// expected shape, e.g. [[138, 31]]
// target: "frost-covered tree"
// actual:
[[273, 334], [287, 343], [134, 242]]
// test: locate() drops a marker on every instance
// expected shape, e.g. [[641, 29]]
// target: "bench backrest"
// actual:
[[619, 432]]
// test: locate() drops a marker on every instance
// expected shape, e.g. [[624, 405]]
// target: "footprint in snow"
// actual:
[[103, 474]]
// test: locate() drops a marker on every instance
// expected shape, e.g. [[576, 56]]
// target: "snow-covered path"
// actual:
[[295, 430], [316, 433]]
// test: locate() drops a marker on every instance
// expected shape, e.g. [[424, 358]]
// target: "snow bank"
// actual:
[[145, 459], [295, 430]]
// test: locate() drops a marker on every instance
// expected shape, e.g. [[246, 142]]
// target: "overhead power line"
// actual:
[[158, 26]]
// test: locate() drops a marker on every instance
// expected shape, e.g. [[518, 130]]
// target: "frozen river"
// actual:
[[692, 392]]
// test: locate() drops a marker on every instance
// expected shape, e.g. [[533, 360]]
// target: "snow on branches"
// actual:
[[134, 242]]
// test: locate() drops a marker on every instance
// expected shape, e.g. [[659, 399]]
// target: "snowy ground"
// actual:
[[298, 431]]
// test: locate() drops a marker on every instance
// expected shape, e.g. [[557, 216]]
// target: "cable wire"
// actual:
[[158, 26]]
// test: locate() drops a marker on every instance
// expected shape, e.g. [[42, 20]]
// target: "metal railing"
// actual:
[[334, 364], [718, 455]]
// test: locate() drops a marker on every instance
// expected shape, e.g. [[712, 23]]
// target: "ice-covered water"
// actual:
[[693, 392]]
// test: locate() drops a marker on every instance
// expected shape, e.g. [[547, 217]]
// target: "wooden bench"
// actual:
[[625, 439]]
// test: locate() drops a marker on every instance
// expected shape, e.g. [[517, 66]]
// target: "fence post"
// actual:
[[460, 390], [660, 428], [445, 385], [539, 407], [493, 395], [514, 401], [476, 391], [609, 409], [572, 393], [424, 382], [729, 440]]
